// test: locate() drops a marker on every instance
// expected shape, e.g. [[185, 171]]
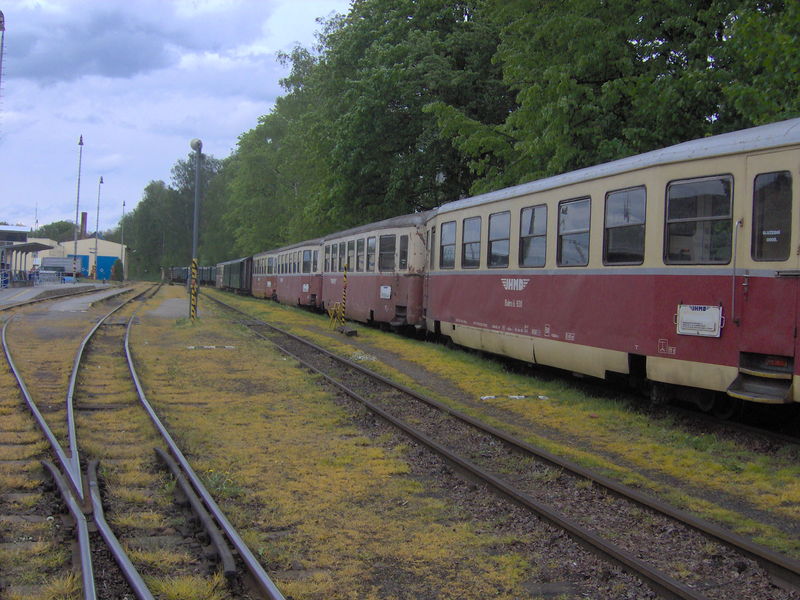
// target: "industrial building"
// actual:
[[22, 257]]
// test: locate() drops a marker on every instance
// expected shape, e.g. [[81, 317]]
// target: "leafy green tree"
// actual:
[[116, 271], [379, 67], [60, 231], [595, 82], [762, 47]]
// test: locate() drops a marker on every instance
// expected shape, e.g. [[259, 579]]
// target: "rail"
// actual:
[[254, 567], [782, 568]]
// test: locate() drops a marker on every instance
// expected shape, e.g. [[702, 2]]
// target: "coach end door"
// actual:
[[766, 284]]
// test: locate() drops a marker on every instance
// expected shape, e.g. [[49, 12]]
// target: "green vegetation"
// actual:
[[331, 513], [688, 470], [406, 104]]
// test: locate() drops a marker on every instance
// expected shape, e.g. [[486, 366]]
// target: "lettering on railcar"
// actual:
[[514, 284]]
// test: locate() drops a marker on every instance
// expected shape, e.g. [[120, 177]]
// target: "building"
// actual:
[[14, 252], [87, 262]]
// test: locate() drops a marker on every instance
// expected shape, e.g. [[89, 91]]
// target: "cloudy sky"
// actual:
[[138, 79]]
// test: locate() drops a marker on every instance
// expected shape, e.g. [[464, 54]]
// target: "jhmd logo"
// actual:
[[514, 285]]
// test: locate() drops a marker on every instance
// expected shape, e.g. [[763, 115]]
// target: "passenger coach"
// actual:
[[235, 275], [678, 266], [384, 264], [291, 275]]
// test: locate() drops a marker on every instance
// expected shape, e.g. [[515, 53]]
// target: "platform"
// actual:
[[15, 295]]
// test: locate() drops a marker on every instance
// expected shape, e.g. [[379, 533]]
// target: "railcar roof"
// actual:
[[234, 261], [314, 242], [774, 135], [414, 219]]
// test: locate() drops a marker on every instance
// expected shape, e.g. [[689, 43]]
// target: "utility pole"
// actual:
[[77, 208], [197, 146]]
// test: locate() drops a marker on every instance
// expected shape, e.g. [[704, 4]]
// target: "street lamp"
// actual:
[[97, 229], [77, 207], [197, 146], [122, 241]]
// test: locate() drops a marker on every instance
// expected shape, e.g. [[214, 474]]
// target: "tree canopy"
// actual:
[[403, 105]]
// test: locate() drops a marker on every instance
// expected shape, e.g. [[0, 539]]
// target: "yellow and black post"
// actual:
[[193, 292], [344, 300], [197, 146]]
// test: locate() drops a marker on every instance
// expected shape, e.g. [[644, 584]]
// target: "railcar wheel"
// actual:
[[659, 394], [726, 407]]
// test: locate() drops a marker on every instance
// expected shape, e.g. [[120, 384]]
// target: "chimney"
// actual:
[[83, 225]]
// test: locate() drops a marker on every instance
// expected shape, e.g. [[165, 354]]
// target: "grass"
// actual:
[[63, 587], [190, 587], [598, 432], [327, 509]]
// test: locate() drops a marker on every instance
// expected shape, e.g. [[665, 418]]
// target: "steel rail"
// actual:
[[130, 573], [784, 570], [666, 586], [210, 527], [87, 572], [63, 459], [72, 488], [254, 567], [72, 436]]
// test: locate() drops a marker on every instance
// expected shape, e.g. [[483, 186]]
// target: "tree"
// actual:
[[60, 231], [117, 273], [765, 64], [595, 82]]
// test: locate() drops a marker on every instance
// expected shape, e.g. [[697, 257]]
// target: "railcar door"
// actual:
[[767, 290]]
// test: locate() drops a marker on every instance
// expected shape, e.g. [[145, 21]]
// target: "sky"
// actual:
[[138, 79]]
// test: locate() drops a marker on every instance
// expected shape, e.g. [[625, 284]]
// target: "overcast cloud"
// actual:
[[138, 79]]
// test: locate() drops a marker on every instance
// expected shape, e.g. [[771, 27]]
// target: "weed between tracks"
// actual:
[[32, 552], [600, 433], [331, 514]]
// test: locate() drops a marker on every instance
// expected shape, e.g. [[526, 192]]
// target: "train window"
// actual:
[[351, 255], [623, 236], [471, 243], [271, 265], [307, 261], [499, 239], [699, 221], [386, 246], [772, 216], [403, 252], [327, 258], [573, 232], [447, 246], [314, 261], [370, 254], [360, 255], [342, 256], [533, 236]]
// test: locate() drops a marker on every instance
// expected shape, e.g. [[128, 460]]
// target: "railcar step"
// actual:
[[759, 389]]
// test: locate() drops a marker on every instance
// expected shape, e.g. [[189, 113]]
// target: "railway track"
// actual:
[[119, 472], [678, 555]]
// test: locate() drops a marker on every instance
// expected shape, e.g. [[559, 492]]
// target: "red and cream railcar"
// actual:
[[678, 266], [264, 274], [291, 275], [384, 264]]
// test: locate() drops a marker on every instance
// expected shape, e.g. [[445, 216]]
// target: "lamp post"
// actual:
[[97, 228], [77, 207], [122, 241], [197, 146]]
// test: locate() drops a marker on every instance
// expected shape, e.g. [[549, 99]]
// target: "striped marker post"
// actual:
[[193, 292]]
